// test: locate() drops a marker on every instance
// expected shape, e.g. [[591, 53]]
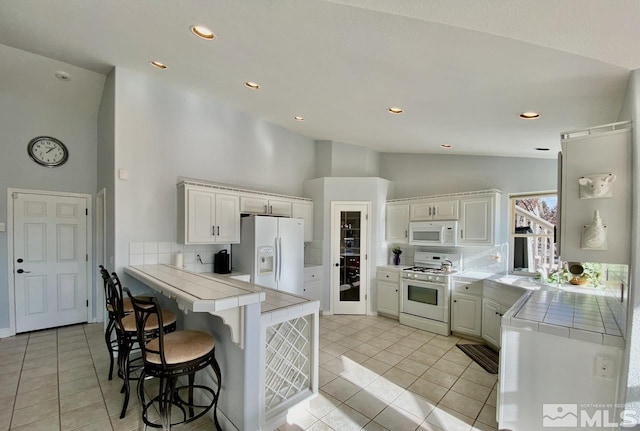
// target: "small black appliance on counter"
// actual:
[[221, 262]]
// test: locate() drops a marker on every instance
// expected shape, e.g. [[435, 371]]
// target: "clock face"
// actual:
[[48, 151]]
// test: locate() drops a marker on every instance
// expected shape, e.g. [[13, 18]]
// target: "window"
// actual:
[[532, 238]]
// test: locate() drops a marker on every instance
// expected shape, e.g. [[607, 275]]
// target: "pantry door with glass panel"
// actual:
[[349, 244], [50, 260]]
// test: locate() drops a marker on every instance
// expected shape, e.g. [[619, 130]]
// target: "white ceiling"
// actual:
[[462, 70]]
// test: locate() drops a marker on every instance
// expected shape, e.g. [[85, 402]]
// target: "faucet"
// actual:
[[544, 275]]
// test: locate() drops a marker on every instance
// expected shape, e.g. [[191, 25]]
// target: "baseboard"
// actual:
[[6, 332], [326, 313]]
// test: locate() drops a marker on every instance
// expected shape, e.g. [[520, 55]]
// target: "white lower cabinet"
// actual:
[[312, 288], [388, 292], [466, 314], [491, 317]]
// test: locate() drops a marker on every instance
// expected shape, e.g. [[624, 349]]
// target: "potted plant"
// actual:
[[396, 254]]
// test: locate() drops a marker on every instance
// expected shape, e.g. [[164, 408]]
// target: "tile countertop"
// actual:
[[568, 312], [199, 293]]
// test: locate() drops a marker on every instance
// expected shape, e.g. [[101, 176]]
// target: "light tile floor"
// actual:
[[376, 374], [57, 380]]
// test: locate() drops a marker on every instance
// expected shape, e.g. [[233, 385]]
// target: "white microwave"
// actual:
[[433, 233]]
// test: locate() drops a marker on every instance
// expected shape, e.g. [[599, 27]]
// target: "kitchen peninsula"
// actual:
[[264, 327]]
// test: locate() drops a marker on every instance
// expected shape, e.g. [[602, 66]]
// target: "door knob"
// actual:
[[20, 271], [20, 260], [337, 264]]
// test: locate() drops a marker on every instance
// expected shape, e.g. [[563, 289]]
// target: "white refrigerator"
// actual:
[[271, 250]]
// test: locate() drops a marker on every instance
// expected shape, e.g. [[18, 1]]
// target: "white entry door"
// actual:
[[50, 260], [349, 244]]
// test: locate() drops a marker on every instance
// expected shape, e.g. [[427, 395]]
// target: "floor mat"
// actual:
[[482, 355]]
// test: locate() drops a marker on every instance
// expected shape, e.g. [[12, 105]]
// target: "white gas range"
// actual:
[[424, 301]]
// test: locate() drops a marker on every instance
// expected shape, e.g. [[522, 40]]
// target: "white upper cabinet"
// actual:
[[435, 210], [397, 224], [254, 205], [207, 217], [265, 206], [479, 220], [596, 179], [304, 210], [210, 214], [280, 208]]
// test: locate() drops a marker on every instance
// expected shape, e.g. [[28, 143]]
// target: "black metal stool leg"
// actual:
[[216, 370], [192, 379], [108, 333], [126, 349]]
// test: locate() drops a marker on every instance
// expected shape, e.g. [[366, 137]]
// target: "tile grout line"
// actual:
[[15, 399]]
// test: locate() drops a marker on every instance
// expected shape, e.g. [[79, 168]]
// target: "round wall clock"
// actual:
[[48, 151]]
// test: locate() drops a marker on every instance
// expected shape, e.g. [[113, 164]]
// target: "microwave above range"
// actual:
[[433, 233]]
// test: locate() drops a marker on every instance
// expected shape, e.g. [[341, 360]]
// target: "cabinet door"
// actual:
[[227, 218], [304, 210], [388, 298], [279, 208], [253, 205], [491, 317], [422, 211], [476, 221], [466, 314], [201, 207], [313, 290], [445, 210], [397, 223]]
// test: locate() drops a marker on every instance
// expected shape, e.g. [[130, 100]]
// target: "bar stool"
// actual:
[[127, 335], [112, 344], [170, 356]]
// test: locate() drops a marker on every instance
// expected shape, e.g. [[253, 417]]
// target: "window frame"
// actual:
[[512, 219]]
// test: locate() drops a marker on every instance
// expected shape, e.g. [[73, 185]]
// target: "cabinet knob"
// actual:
[[406, 234], [396, 290], [497, 312], [387, 276], [455, 300], [313, 275], [466, 287]]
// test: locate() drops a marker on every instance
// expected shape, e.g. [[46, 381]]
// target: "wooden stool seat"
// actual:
[[180, 347], [126, 306], [129, 322]]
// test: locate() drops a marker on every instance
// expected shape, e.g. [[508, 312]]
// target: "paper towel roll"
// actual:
[[179, 261]]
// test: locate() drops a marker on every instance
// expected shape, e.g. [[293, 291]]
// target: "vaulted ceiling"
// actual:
[[461, 70]]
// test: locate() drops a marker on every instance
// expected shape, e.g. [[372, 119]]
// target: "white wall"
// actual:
[[335, 159], [33, 103], [330, 189], [162, 133], [426, 174], [106, 163], [631, 361]]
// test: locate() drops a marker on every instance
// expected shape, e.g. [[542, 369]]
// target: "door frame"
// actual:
[[10, 257], [364, 266], [101, 250]]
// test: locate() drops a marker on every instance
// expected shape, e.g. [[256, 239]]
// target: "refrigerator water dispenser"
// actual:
[[265, 260]]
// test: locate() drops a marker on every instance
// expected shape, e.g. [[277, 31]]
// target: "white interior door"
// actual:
[[349, 245], [50, 260]]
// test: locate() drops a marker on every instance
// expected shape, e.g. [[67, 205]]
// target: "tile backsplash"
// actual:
[[617, 293], [154, 252]]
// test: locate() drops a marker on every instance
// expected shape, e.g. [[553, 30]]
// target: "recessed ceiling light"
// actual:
[[252, 85], [446, 146], [529, 115], [298, 118], [158, 64], [62, 75], [542, 149], [203, 32], [395, 110]]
